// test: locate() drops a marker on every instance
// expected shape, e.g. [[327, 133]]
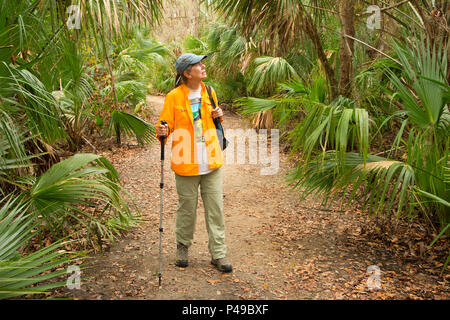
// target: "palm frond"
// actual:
[[430, 63], [332, 127], [269, 71], [114, 15], [35, 101], [128, 89], [133, 125], [17, 272], [252, 105], [58, 193], [378, 181], [195, 45]]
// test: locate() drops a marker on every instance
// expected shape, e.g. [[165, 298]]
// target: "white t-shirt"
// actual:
[[195, 102]]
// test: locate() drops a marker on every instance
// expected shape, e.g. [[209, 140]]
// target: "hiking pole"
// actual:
[[161, 185]]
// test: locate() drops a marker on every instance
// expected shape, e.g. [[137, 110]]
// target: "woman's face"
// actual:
[[196, 72]]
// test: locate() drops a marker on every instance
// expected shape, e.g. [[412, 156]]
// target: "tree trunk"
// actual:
[[311, 30], [113, 87], [347, 17]]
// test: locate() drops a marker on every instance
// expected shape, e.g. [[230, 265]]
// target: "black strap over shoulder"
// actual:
[[208, 89], [220, 134]]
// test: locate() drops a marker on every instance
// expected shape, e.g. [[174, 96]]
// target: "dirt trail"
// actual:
[[280, 248]]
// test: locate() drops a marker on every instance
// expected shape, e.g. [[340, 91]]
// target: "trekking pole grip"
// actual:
[[162, 139]]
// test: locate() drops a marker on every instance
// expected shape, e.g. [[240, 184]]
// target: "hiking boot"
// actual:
[[222, 264], [182, 256]]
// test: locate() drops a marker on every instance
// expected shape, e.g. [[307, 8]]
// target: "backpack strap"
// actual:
[[220, 135], [208, 89]]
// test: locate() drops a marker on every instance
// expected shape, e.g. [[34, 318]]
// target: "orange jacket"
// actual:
[[178, 115]]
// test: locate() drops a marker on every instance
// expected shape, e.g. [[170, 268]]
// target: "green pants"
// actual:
[[211, 192]]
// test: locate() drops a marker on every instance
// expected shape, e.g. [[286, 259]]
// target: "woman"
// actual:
[[196, 158]]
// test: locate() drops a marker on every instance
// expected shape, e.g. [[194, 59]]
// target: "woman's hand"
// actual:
[[217, 112], [161, 130]]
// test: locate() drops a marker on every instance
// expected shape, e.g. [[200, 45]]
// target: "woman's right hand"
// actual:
[[162, 130]]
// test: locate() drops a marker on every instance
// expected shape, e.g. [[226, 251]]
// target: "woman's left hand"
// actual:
[[217, 112]]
